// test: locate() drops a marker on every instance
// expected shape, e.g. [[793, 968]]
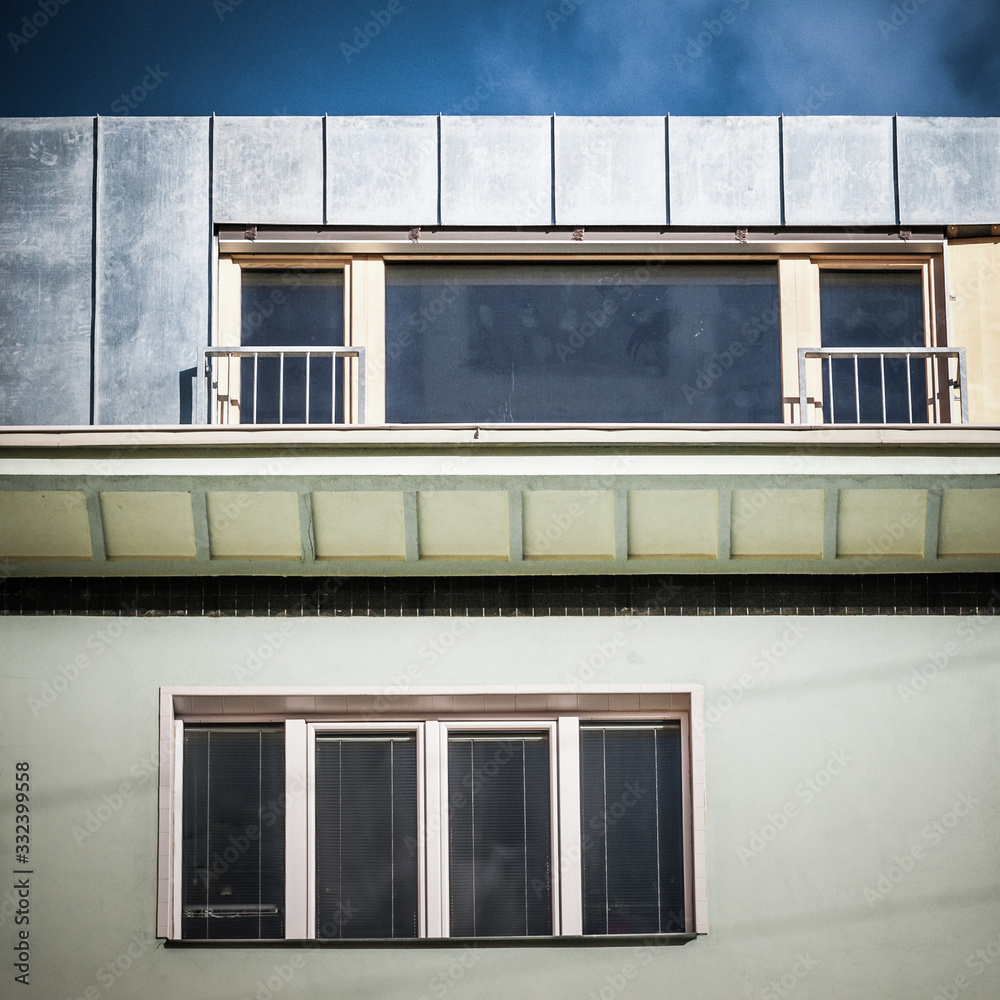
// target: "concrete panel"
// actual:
[[148, 525], [382, 171], [366, 525], [152, 267], [724, 172], [610, 171], [255, 525], [268, 171], [682, 524], [881, 524], [496, 171], [777, 524], [46, 232], [970, 523], [569, 524], [463, 524], [44, 525], [838, 171], [949, 171]]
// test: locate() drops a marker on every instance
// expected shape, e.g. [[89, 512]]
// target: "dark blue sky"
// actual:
[[615, 57]]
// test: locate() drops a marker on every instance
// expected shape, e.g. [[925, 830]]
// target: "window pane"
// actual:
[[500, 841], [632, 828], [589, 342], [290, 308], [366, 836], [233, 866], [873, 309]]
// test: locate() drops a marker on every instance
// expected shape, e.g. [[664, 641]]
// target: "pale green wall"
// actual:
[[837, 689]]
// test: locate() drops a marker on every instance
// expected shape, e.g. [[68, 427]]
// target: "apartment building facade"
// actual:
[[454, 556]]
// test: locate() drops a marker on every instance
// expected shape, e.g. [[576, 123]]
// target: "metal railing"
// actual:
[[227, 382], [937, 379]]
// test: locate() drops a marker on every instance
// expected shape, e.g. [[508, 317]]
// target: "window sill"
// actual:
[[556, 941]]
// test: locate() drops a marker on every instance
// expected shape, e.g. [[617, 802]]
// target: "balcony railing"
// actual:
[[281, 385], [918, 391]]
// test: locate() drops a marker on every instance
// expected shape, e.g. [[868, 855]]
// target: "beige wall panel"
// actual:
[[673, 524], [798, 285], [778, 524], [366, 302], [461, 524], [876, 524], [970, 523], [254, 525], [44, 525], [569, 524], [974, 323], [151, 525], [359, 525]]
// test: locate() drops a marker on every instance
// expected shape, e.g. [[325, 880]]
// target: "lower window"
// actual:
[[466, 827]]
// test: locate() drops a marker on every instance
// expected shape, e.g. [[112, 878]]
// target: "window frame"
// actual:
[[798, 297], [432, 716]]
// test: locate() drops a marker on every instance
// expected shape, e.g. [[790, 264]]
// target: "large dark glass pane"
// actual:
[[873, 309], [579, 343], [500, 842], [290, 308], [632, 829], [233, 855], [366, 836]]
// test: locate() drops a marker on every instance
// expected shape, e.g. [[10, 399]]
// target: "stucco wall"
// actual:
[[825, 721]]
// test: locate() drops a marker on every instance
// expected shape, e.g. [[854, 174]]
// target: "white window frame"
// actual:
[[432, 714]]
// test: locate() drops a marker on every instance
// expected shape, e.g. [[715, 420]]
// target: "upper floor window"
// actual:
[[620, 342]]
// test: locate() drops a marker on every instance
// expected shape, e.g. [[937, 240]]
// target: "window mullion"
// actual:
[[569, 833], [298, 851], [433, 830]]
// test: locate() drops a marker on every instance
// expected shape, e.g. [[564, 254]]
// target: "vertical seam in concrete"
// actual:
[[666, 164], [199, 514], [440, 166], [410, 536], [94, 263], [725, 541], [781, 168], [552, 168], [895, 168], [621, 525], [96, 522], [326, 165], [932, 528], [515, 525], [200, 404], [831, 515], [306, 534]]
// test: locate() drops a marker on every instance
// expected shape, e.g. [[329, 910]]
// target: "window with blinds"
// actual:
[[462, 826], [366, 835], [500, 836], [632, 829], [233, 853]]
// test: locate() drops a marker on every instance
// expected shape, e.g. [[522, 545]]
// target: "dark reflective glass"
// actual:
[[500, 842], [873, 309], [233, 854], [366, 836], [633, 843], [290, 308], [582, 343]]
